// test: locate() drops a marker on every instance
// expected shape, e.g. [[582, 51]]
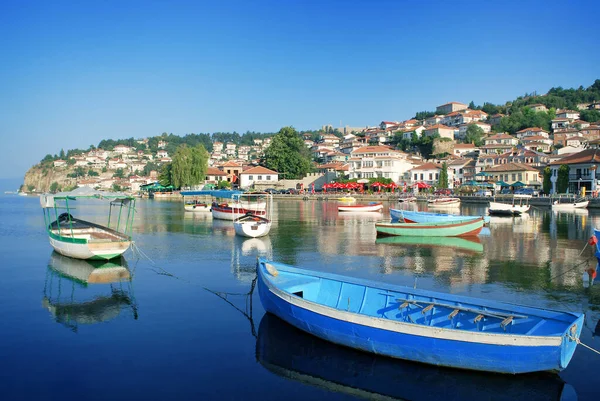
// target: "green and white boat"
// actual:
[[83, 239], [456, 228]]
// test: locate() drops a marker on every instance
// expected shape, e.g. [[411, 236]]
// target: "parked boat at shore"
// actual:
[[513, 205], [577, 204], [82, 239], [419, 325], [443, 202], [196, 201], [370, 207], [455, 228], [412, 216]]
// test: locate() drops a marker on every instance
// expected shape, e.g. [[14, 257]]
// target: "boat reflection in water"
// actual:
[[470, 244], [244, 254], [293, 354], [75, 291]]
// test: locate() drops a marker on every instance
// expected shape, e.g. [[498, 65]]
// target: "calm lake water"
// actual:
[[183, 327]]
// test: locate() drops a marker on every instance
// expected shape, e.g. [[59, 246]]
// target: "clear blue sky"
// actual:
[[73, 73]]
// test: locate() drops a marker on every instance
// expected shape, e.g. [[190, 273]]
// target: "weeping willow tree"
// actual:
[[189, 166]]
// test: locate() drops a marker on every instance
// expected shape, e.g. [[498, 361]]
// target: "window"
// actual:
[[259, 178], [416, 176], [514, 177], [437, 176], [250, 177], [520, 176], [430, 176], [421, 176], [268, 178]]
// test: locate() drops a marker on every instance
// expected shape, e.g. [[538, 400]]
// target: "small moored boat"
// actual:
[[578, 204], [296, 355], [410, 216], [347, 199], [371, 207], [408, 199], [514, 205], [83, 239], [251, 225], [443, 202], [456, 228], [418, 325]]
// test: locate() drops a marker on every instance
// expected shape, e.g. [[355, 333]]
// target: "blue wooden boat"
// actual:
[[296, 355], [410, 216], [418, 325]]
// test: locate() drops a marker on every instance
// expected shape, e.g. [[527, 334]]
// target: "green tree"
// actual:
[[119, 173], [224, 184], [54, 187], [547, 184], [562, 182], [443, 181], [30, 188], [474, 135], [189, 165], [590, 115], [164, 177], [92, 173], [288, 155]]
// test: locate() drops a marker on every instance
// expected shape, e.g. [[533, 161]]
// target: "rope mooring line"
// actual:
[[578, 341]]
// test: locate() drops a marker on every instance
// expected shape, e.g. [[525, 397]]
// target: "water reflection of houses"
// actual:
[[80, 292]]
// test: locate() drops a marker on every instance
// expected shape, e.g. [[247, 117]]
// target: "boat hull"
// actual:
[[201, 207], [505, 209], [410, 216], [89, 250], [378, 207], [570, 206], [496, 353], [229, 213], [252, 229], [459, 228]]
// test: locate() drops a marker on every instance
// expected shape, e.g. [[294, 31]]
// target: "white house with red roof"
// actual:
[[570, 114], [258, 176], [442, 130], [122, 149], [388, 124], [60, 163], [532, 131], [429, 173], [379, 162], [462, 148]]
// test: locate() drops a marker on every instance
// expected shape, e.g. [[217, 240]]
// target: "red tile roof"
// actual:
[[259, 170], [427, 166], [585, 156]]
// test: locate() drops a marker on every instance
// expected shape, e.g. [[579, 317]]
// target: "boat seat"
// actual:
[[293, 284]]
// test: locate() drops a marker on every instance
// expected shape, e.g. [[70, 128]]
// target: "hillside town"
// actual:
[[373, 153]]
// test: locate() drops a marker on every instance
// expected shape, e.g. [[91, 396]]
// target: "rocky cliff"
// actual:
[[39, 179]]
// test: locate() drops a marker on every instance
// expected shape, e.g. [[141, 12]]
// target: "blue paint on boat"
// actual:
[[428, 217], [395, 321], [294, 354]]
